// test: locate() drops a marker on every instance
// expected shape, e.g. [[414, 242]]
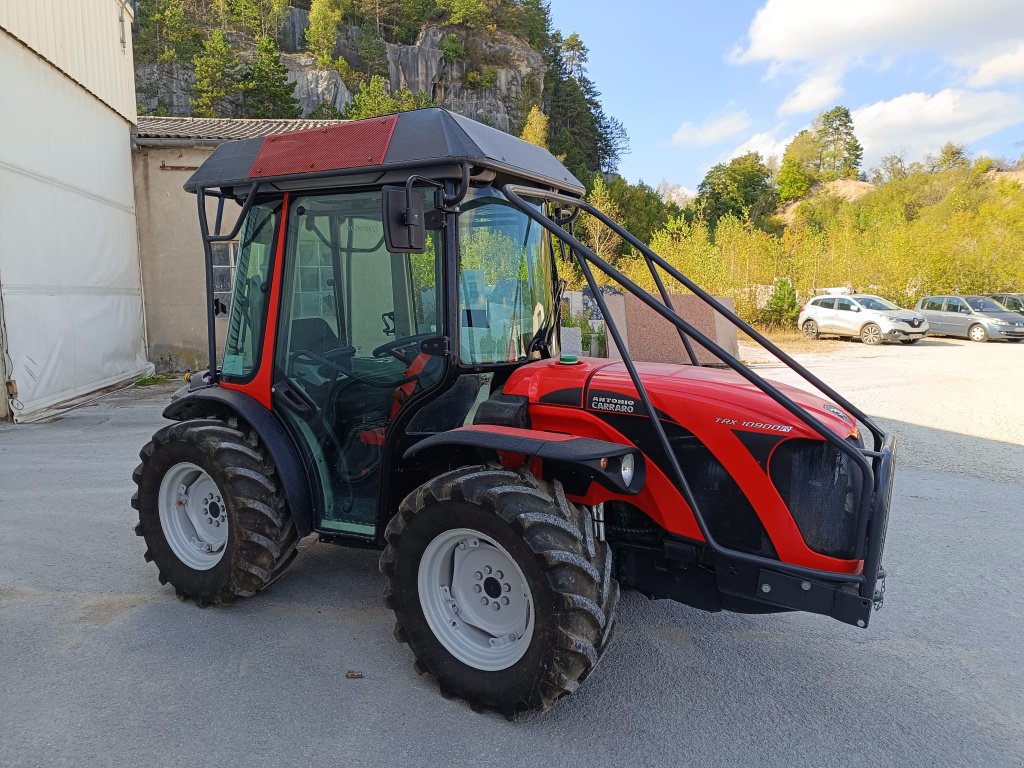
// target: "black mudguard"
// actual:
[[214, 401]]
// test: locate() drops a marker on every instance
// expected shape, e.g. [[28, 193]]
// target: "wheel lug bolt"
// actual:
[[477, 587], [483, 601], [478, 575], [217, 523], [499, 575], [495, 606], [504, 601], [513, 637], [507, 587], [487, 569]]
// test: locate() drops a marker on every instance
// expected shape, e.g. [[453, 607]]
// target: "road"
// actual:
[[102, 666]]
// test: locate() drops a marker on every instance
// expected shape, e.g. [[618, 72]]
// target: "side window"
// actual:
[[844, 304], [223, 271], [827, 303], [932, 305], [957, 305], [244, 340]]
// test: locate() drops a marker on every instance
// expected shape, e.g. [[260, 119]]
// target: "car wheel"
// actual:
[[977, 332], [871, 334], [810, 329], [909, 341]]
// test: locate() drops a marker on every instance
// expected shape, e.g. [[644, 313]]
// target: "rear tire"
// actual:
[[977, 333], [871, 334], [566, 570], [228, 463], [810, 329]]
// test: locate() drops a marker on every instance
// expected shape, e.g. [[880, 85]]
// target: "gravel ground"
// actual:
[[100, 665]]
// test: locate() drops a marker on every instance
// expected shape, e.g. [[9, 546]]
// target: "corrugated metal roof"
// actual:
[[210, 130]]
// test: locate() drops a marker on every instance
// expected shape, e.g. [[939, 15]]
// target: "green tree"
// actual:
[[385, 16], [374, 98], [168, 39], [373, 52], [576, 56], [951, 157], [216, 90], [267, 90], [782, 308], [322, 32], [602, 240], [799, 166], [840, 152], [465, 13], [261, 18], [536, 129], [741, 188]]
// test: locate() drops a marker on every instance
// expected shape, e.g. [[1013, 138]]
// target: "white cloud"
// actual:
[[818, 90], [712, 131], [811, 30], [1006, 66], [919, 123], [767, 143]]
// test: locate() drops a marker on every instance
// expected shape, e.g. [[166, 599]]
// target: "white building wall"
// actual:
[[69, 266]]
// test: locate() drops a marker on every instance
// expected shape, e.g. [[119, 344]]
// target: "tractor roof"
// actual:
[[434, 142]]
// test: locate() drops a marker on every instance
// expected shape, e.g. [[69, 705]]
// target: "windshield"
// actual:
[[876, 303], [506, 281], [984, 305]]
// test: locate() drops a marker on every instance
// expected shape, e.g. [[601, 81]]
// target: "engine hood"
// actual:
[[694, 397]]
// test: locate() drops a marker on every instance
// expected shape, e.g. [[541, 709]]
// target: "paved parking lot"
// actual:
[[100, 665]]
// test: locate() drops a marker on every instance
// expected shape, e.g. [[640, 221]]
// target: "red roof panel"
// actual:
[[349, 145]]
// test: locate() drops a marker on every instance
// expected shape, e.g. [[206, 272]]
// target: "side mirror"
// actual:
[[856, 308], [405, 230]]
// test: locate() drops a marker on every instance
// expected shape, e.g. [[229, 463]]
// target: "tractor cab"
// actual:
[[391, 378]]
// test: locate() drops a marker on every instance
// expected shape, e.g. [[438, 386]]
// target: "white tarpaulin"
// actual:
[[69, 266]]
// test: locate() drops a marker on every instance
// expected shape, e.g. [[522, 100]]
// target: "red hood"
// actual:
[[684, 393]]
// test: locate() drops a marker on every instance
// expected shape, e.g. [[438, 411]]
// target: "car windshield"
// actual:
[[979, 304], [875, 302]]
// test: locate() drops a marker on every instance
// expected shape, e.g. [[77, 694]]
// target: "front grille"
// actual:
[[821, 487], [915, 323], [728, 513]]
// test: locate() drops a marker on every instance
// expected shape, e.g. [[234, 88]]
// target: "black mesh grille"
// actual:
[[821, 486], [729, 515]]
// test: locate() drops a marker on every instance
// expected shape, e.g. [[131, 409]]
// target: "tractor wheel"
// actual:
[[499, 587], [214, 521]]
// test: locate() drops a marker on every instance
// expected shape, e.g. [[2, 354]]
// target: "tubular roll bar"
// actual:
[[208, 240], [586, 257]]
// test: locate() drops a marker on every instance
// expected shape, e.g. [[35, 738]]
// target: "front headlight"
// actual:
[[998, 321], [626, 468], [892, 319]]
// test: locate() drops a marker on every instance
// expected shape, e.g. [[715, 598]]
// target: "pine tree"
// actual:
[[216, 89], [322, 32], [536, 129], [840, 152], [602, 240], [167, 38], [261, 18], [268, 92], [374, 98]]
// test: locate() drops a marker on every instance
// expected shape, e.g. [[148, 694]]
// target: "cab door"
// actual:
[[348, 354]]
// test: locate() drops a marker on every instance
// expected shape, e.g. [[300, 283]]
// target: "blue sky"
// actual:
[[698, 82]]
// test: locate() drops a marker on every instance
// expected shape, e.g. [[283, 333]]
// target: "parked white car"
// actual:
[[871, 318]]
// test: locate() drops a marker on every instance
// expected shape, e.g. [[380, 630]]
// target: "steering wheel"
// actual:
[[399, 348]]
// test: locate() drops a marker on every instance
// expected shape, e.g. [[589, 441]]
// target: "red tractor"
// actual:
[[391, 378]]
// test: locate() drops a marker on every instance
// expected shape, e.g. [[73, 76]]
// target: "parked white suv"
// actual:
[[872, 318]]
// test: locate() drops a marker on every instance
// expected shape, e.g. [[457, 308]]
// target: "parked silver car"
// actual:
[[973, 317], [872, 318]]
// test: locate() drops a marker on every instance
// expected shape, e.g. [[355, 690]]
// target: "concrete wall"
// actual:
[[653, 339], [171, 251]]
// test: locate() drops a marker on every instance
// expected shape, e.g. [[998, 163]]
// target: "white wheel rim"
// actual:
[[476, 599], [977, 333], [871, 335], [193, 516]]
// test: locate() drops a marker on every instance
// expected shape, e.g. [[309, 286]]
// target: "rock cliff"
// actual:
[[507, 73]]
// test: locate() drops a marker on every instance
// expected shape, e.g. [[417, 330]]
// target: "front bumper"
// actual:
[[1006, 332], [850, 601], [900, 331]]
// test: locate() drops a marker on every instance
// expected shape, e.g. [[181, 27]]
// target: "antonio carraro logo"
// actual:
[[616, 403], [836, 412]]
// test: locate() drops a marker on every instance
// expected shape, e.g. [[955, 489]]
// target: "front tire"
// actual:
[[555, 573], [977, 332], [871, 334], [215, 523]]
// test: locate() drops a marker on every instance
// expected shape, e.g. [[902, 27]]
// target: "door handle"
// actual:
[[293, 399]]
